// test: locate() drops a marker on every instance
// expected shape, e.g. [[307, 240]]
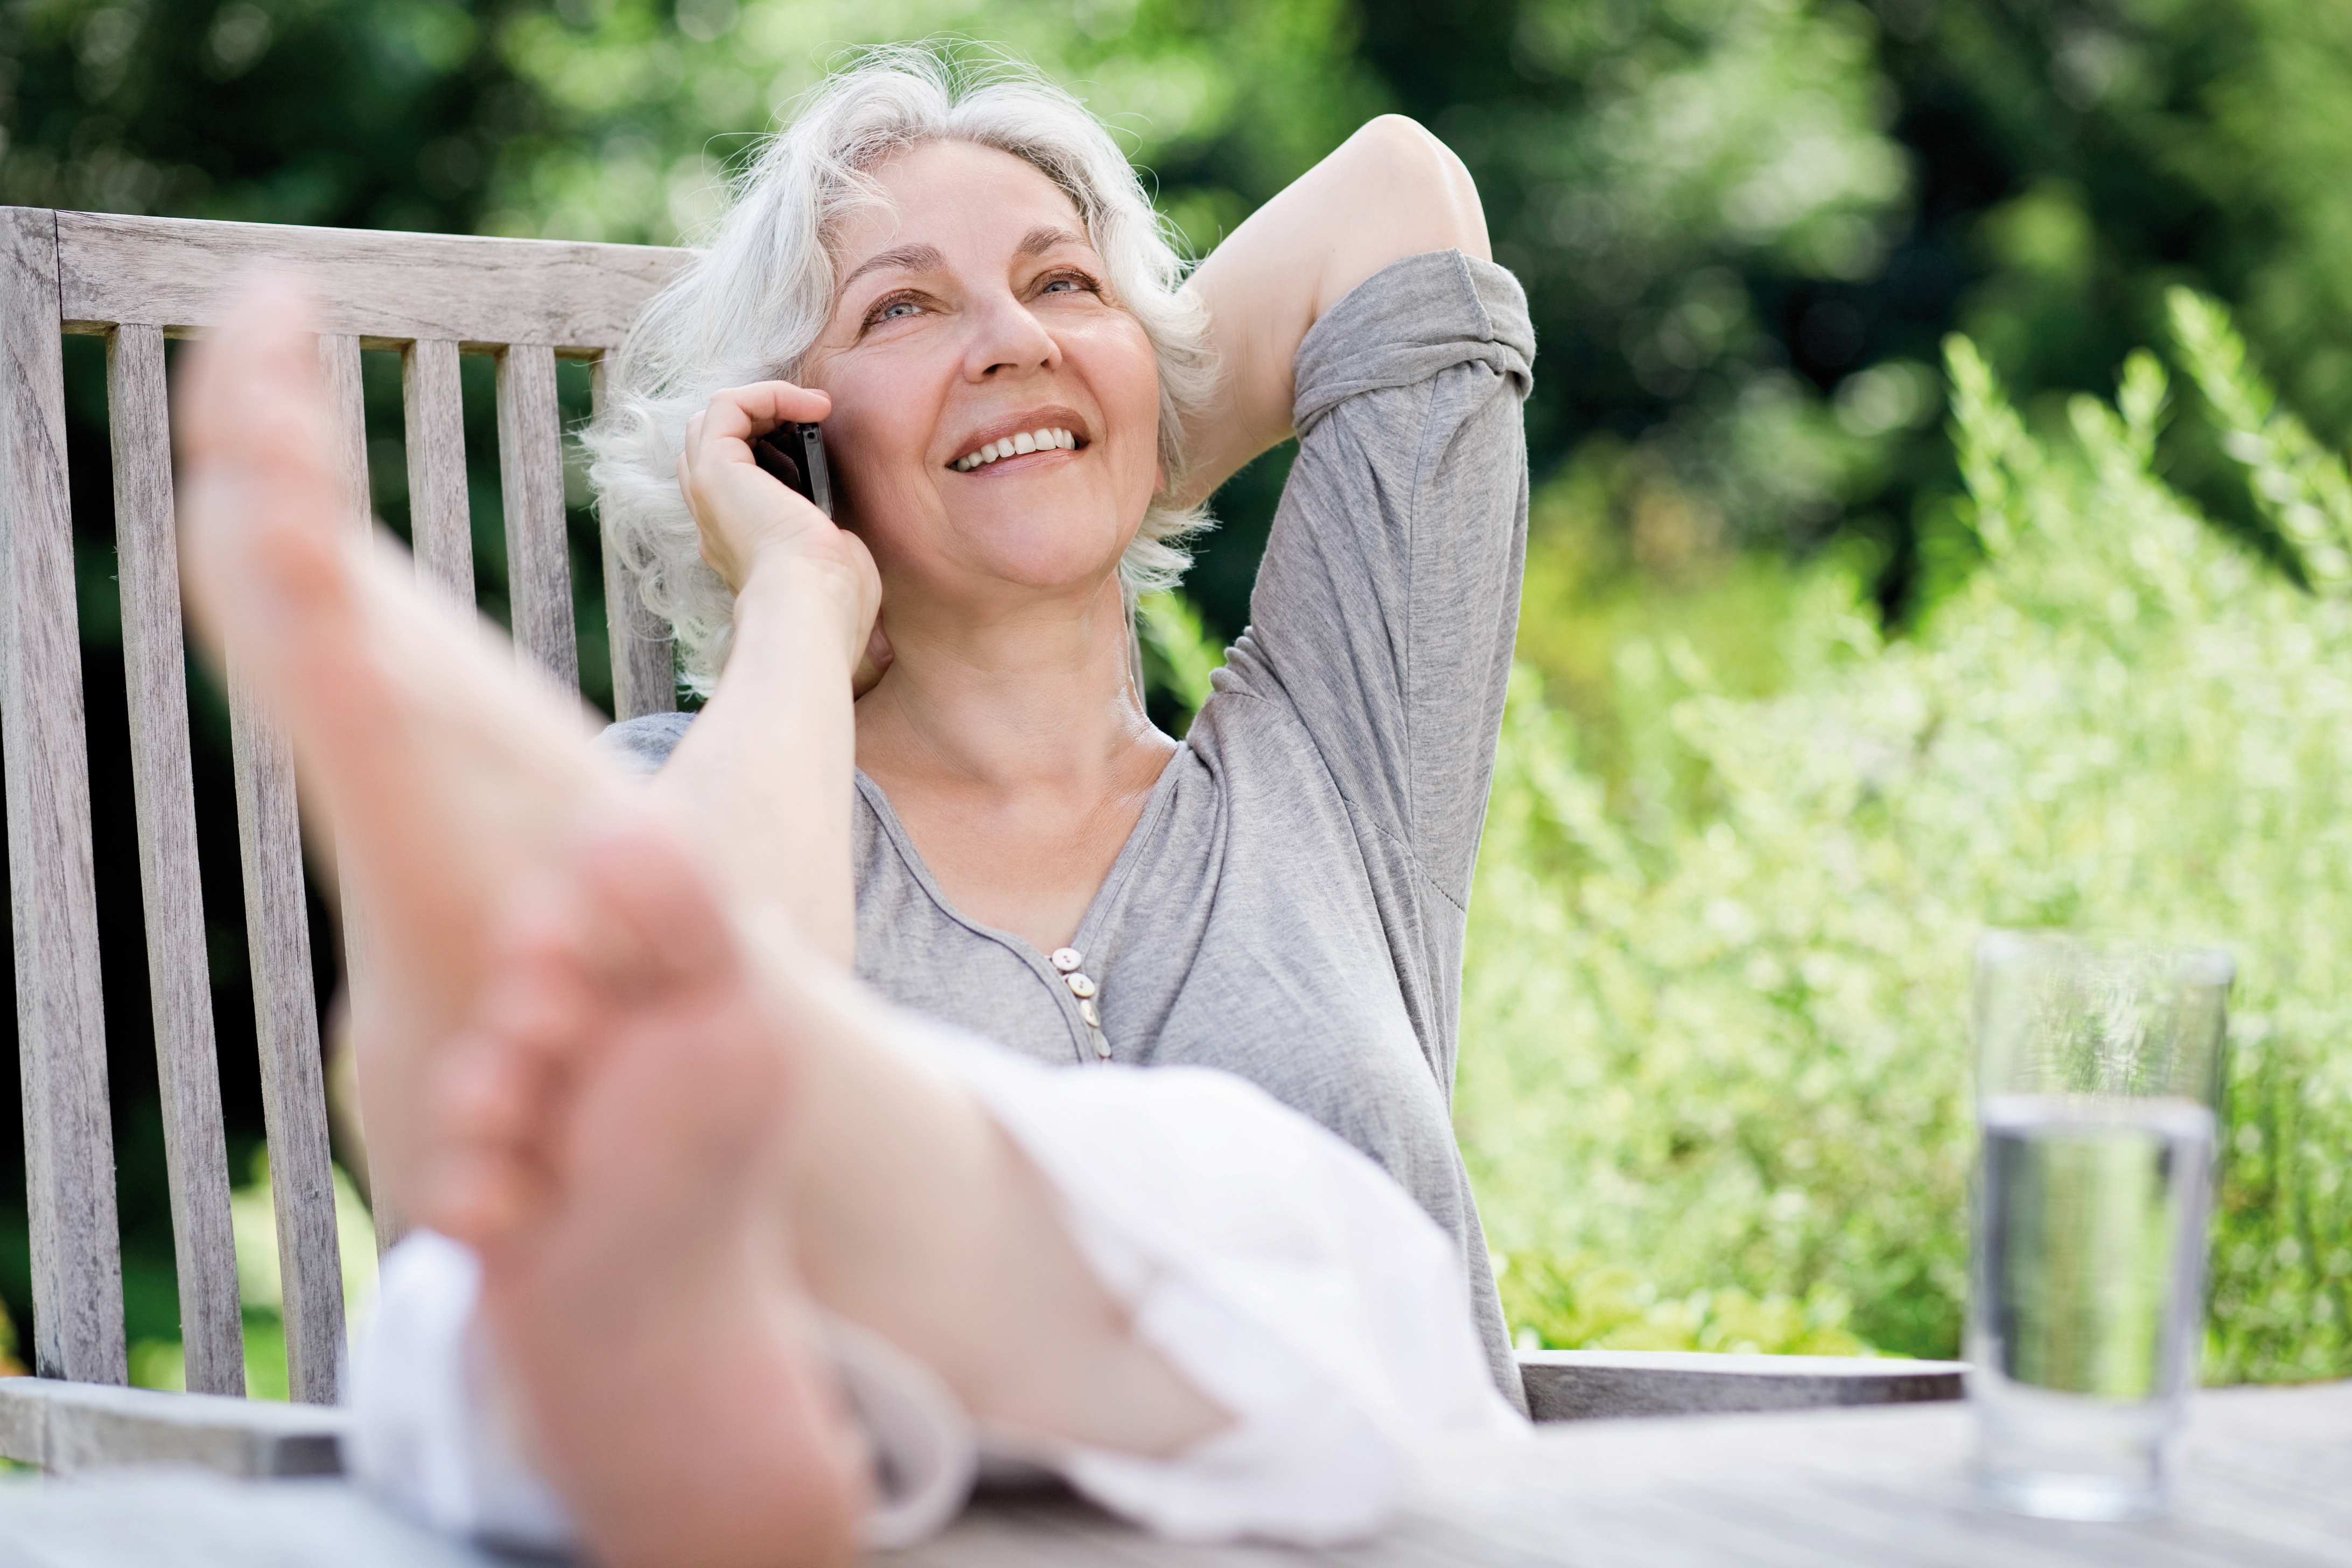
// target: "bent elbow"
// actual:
[[1419, 174]]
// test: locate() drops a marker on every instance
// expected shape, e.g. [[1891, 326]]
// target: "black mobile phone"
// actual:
[[795, 453]]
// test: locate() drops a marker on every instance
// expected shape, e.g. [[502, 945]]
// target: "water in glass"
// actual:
[[2090, 1261]]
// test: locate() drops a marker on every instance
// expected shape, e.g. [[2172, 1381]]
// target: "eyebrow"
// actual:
[[1039, 241], [902, 257], [927, 257]]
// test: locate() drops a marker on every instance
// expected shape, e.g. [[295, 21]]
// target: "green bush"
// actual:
[[1713, 1023]]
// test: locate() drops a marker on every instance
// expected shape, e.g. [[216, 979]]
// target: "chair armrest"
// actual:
[[68, 1426], [1582, 1385]]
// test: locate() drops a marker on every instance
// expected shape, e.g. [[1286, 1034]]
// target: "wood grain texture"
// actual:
[[179, 978], [193, 1520], [2261, 1486], [387, 289], [645, 667], [293, 1082], [339, 362], [338, 359], [440, 525], [60, 1020], [72, 1429], [1584, 1386], [530, 478]]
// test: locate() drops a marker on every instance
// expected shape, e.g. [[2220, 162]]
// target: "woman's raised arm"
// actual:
[[1390, 191]]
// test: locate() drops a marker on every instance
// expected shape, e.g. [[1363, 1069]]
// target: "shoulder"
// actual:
[[641, 745]]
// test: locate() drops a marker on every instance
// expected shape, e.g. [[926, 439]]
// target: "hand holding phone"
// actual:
[[795, 453]]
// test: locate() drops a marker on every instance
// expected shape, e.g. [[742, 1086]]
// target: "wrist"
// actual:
[[809, 595]]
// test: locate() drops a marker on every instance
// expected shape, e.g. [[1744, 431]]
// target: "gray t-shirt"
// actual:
[[1290, 907]]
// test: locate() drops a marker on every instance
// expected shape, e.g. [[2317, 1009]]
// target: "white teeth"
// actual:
[[1052, 439]]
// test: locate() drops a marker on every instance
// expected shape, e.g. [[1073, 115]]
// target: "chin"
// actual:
[[1052, 578], [1034, 553]]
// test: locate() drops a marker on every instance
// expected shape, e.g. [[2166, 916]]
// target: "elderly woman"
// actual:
[[1022, 408], [735, 1262]]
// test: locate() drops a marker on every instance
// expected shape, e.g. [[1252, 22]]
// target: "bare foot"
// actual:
[[438, 769], [614, 1119], [593, 1120], [570, 1094]]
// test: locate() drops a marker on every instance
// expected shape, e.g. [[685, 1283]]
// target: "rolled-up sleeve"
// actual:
[[1388, 599]]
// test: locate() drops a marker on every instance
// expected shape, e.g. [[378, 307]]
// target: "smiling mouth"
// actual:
[[1051, 438]]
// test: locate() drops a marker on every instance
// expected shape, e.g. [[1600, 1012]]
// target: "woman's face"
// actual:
[[974, 311]]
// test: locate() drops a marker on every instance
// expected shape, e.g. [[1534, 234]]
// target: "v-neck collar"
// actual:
[[1097, 908]]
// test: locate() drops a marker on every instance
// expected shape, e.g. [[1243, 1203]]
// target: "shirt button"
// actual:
[[1066, 959], [1093, 1015], [1080, 986]]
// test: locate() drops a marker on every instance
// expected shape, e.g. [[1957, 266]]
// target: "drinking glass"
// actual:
[[2098, 1079]]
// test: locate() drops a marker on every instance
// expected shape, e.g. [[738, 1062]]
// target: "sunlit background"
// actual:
[[1869, 600]]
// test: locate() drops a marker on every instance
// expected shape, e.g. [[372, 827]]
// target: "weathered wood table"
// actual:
[[2267, 1483]]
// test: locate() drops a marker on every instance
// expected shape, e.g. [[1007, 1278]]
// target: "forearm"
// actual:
[[764, 779], [1390, 191]]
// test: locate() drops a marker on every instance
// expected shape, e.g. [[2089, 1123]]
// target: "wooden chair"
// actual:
[[137, 282], [528, 303]]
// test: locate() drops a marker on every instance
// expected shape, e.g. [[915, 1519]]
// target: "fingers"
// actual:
[[735, 417], [740, 509]]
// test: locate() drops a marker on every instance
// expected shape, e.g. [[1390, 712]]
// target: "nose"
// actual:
[[1007, 338]]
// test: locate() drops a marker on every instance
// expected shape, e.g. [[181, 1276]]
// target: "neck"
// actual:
[[1036, 696]]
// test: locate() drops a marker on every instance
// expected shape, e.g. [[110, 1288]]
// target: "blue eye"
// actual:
[[892, 310]]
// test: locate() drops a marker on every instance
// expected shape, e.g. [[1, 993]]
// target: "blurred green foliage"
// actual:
[[159, 1361], [1583, 1302], [1715, 1013], [1746, 224]]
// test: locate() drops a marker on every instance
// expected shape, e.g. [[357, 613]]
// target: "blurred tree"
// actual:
[[377, 113], [1745, 223]]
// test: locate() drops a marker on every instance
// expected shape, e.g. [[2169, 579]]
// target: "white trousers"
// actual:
[[1279, 1268]]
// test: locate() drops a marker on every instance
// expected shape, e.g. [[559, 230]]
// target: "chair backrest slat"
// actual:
[[387, 289], [531, 474], [644, 668], [60, 1017], [286, 1023], [440, 523], [178, 980], [138, 282], [338, 359]]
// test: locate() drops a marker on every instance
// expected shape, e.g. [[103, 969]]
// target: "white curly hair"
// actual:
[[754, 302]]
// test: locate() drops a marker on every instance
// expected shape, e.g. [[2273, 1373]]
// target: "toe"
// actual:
[[649, 902]]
